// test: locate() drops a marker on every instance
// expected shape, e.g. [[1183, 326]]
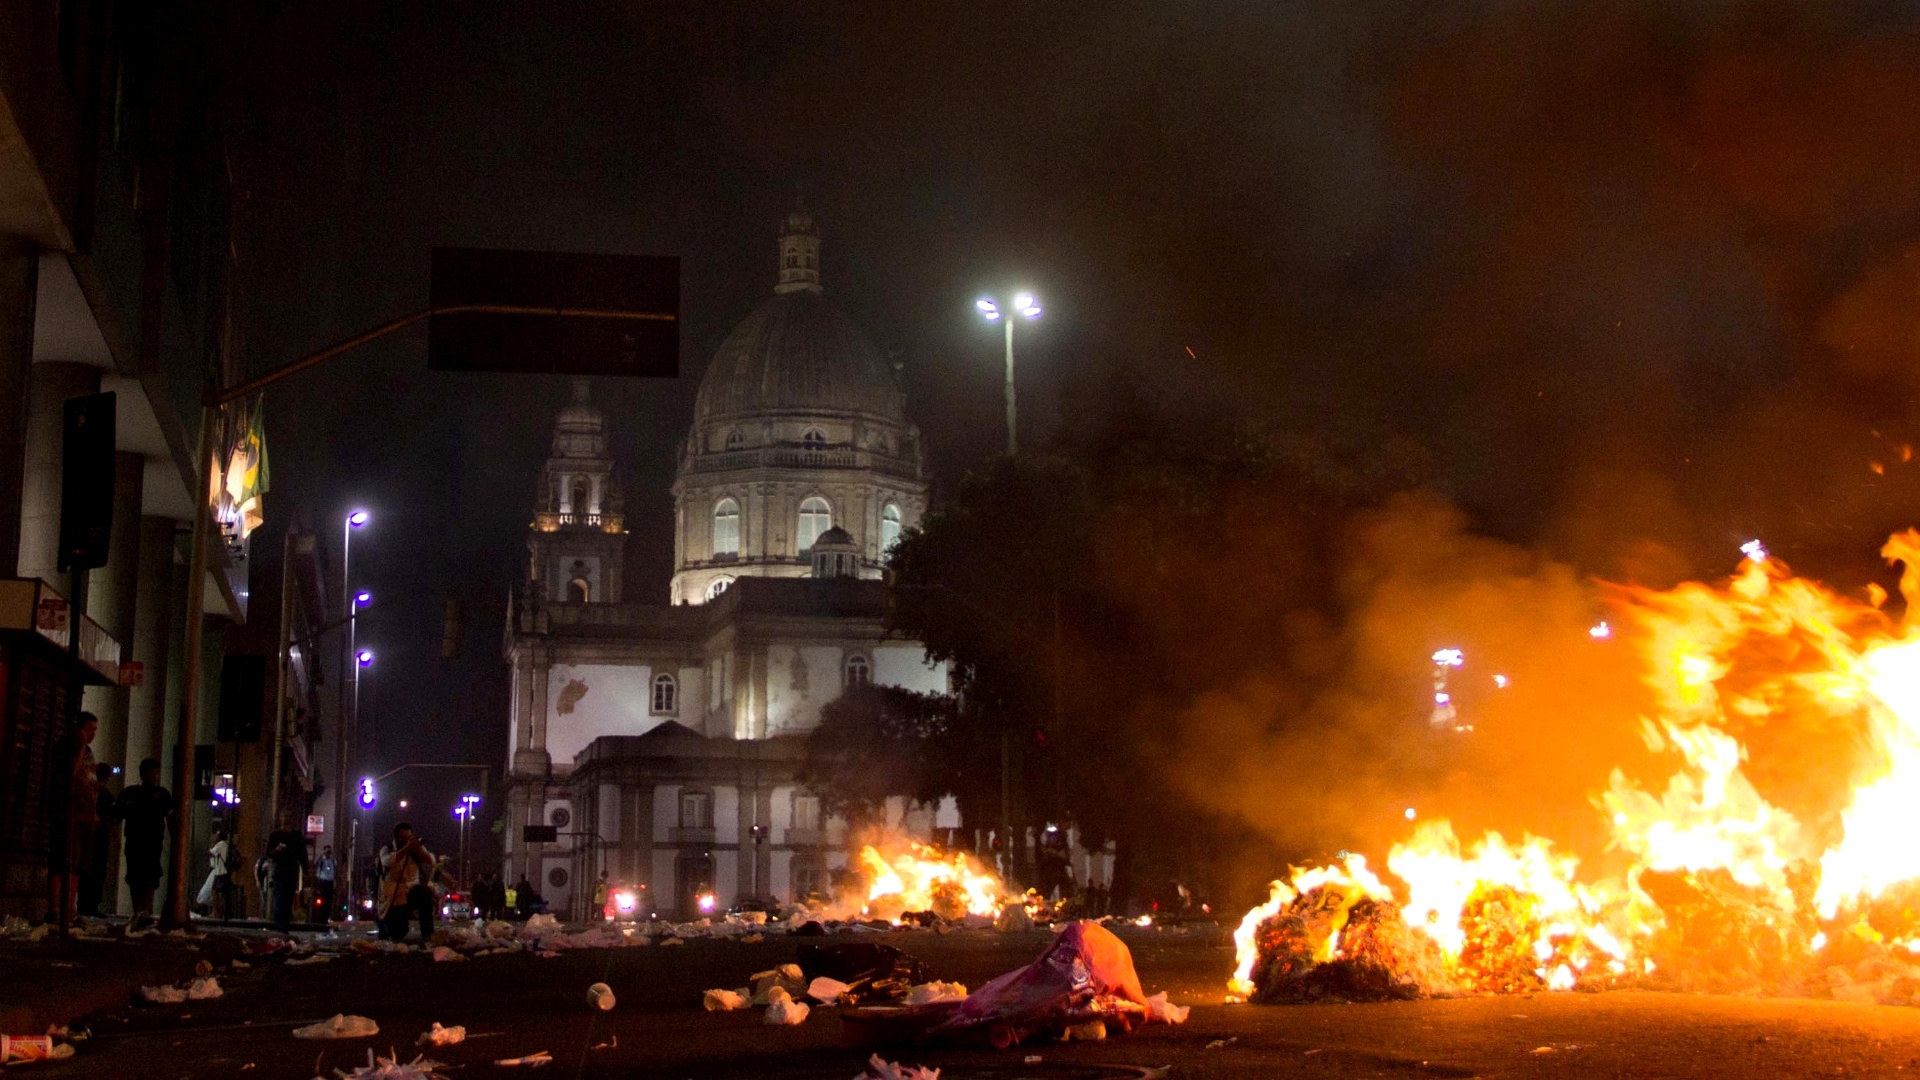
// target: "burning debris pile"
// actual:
[[1713, 886]]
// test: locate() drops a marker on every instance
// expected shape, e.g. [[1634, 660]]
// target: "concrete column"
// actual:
[[49, 386], [111, 599], [176, 668], [148, 639], [151, 638], [19, 281]]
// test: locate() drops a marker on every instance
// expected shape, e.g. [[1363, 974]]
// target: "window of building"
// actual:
[[726, 529], [735, 440], [696, 810], [793, 261], [816, 517], [806, 812], [889, 528], [814, 439], [719, 586], [666, 694], [858, 672]]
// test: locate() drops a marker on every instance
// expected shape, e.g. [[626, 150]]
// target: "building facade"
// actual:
[[661, 740]]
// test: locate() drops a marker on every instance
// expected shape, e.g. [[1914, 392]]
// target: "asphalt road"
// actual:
[[519, 1004]]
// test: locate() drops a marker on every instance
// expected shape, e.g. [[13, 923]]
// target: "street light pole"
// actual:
[[1025, 305]]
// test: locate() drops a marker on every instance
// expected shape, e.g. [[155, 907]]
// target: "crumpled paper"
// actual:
[[339, 1026], [204, 989], [724, 1001], [785, 1010], [162, 995], [1161, 1010], [442, 1036], [879, 1068], [929, 992]]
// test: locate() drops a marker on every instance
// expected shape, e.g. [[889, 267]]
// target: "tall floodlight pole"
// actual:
[[1025, 305], [349, 714]]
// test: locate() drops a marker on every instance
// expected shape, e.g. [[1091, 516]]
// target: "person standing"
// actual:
[[404, 889], [523, 897], [146, 809], [95, 874], [74, 812], [324, 869], [218, 858], [600, 897], [286, 862]]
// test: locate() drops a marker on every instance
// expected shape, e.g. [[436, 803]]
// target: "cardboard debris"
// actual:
[[826, 991], [442, 1036], [339, 1026]]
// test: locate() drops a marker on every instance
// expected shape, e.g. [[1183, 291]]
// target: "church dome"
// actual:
[[798, 354]]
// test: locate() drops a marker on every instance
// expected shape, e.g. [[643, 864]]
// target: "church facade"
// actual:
[[661, 739]]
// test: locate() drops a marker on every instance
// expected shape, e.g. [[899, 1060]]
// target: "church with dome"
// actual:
[[659, 736]]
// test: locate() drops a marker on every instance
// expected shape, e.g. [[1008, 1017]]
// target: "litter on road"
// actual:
[[538, 1060], [442, 1036], [724, 1001], [879, 1068], [600, 996], [391, 1068], [338, 1026]]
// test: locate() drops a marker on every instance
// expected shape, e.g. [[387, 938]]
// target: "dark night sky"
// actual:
[[1639, 276]]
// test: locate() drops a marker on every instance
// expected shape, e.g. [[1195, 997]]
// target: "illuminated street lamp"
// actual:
[[365, 656], [465, 812], [1027, 307], [362, 598]]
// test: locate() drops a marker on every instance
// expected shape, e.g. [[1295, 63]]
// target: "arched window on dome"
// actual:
[[735, 440], [889, 528], [814, 439], [719, 586], [666, 694], [793, 261], [726, 529], [816, 517], [858, 672]]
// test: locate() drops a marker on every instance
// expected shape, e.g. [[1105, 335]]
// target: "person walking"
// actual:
[[219, 858], [146, 811], [286, 862], [324, 869], [404, 889], [96, 873]]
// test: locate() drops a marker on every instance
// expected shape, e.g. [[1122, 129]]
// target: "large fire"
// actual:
[[921, 878], [1711, 885]]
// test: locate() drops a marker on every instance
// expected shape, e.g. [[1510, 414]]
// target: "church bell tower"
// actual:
[[578, 538]]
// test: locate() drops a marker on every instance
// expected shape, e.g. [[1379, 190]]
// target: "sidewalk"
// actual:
[[50, 982]]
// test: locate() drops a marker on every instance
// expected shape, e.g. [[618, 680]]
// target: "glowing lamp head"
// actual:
[[469, 799], [1410, 814], [988, 308], [358, 518], [460, 811], [707, 902], [1026, 305], [1755, 550], [365, 656], [626, 902], [363, 598], [366, 791], [1600, 630], [1449, 658]]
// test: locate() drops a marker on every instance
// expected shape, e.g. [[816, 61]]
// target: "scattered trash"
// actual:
[[443, 953], [612, 1041], [724, 1001], [600, 996], [442, 1036], [826, 990], [928, 993], [20, 1049], [1222, 1044], [1542, 1050], [1031, 1059], [1013, 920], [242, 965], [873, 972], [532, 1061], [203, 969], [1310, 1053], [674, 941], [339, 1026], [785, 1010], [204, 989], [754, 939], [879, 1068], [316, 958], [1085, 974], [1091, 1031], [162, 995], [1160, 1010], [391, 1068]]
